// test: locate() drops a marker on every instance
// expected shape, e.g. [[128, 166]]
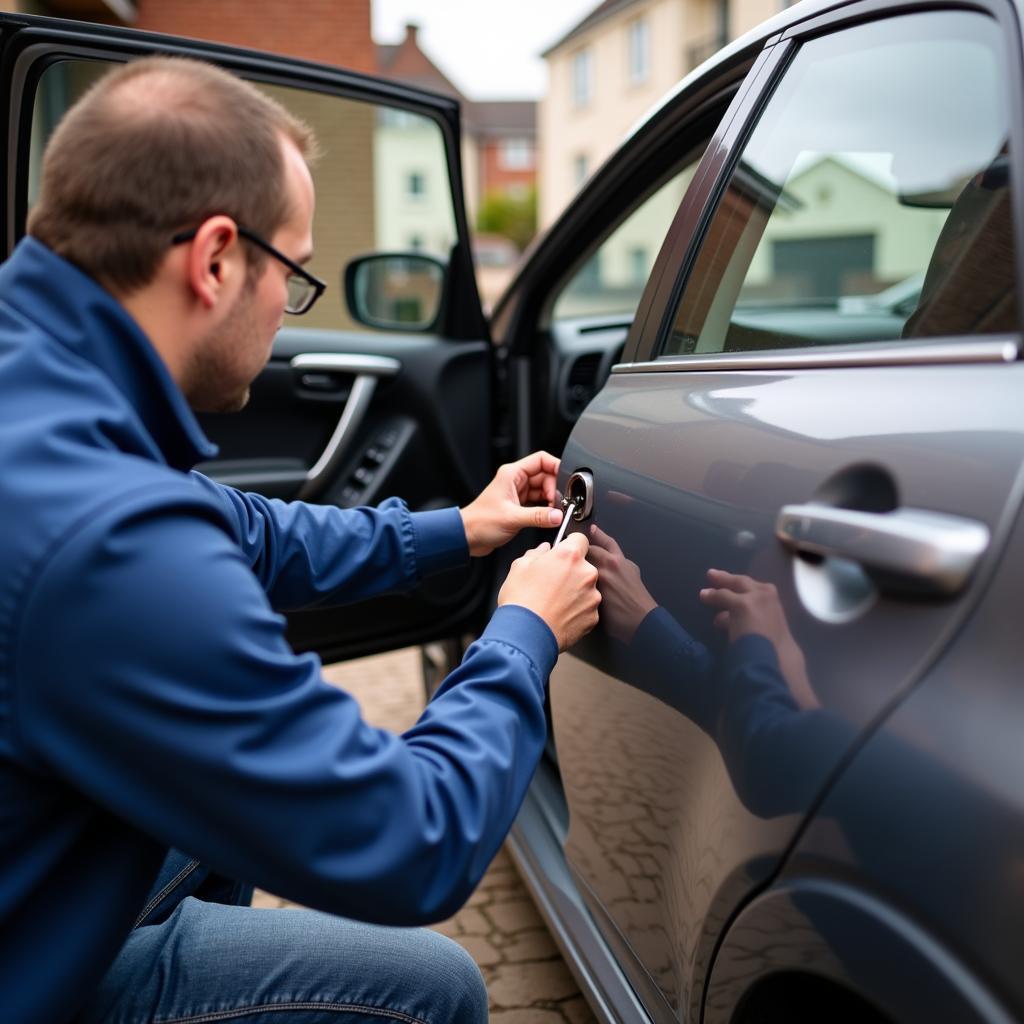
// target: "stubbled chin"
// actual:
[[233, 403]]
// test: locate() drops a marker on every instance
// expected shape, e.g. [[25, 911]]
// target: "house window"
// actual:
[[639, 265], [639, 51], [582, 79], [515, 154], [580, 168], [416, 184]]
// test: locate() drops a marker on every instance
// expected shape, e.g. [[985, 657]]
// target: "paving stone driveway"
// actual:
[[526, 977]]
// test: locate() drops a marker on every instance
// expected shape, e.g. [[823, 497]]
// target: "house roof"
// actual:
[[406, 62], [603, 10], [503, 118]]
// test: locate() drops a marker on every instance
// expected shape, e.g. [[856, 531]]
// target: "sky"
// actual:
[[490, 49]]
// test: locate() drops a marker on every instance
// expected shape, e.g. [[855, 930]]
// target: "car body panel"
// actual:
[[929, 815], [668, 831], [691, 471], [841, 932]]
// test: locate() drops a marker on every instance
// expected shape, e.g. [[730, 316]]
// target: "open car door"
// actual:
[[348, 411]]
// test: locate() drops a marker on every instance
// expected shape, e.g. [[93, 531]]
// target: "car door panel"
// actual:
[[687, 766], [439, 390], [418, 437], [569, 360], [666, 832], [941, 773], [341, 415]]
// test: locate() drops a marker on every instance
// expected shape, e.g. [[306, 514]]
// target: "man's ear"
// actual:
[[213, 261]]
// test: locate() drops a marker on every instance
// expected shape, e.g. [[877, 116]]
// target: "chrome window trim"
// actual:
[[998, 350]]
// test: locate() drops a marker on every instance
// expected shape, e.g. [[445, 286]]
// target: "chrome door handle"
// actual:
[[367, 369], [908, 550]]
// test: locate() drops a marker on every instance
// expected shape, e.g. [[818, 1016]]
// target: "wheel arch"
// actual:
[[846, 942]]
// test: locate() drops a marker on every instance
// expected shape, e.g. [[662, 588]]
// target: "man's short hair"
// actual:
[[156, 147]]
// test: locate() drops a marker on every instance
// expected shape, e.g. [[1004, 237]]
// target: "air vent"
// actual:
[[581, 383]]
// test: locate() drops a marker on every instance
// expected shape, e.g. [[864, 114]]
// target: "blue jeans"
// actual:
[[194, 961]]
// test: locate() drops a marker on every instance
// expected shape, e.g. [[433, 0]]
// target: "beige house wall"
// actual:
[[471, 177], [747, 14], [678, 28], [616, 104]]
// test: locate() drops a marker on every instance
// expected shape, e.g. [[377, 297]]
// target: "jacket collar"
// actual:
[[71, 307]]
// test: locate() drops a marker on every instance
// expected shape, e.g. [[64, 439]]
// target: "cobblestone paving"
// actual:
[[500, 927]]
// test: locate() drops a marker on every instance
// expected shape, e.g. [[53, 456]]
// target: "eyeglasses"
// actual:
[[304, 288]]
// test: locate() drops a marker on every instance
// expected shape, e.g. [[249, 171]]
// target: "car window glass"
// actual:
[[382, 180], [872, 200], [611, 280]]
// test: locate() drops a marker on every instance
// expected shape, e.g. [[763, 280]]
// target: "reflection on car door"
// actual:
[[342, 415], [856, 481]]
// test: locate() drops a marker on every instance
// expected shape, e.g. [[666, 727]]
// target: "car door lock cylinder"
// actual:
[[579, 495]]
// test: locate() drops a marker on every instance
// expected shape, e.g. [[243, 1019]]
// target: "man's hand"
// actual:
[[509, 503], [627, 602], [559, 585]]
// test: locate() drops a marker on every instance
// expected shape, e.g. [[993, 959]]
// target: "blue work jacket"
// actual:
[[149, 698]]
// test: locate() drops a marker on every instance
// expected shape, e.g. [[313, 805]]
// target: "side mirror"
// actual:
[[395, 291]]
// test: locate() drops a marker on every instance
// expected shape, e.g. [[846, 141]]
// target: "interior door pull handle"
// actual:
[[908, 550], [367, 370]]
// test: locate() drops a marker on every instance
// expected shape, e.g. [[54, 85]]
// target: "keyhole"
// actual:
[[580, 492]]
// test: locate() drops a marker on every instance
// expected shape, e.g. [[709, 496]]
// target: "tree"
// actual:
[[513, 217]]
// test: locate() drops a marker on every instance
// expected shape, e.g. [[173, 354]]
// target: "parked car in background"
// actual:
[[777, 336]]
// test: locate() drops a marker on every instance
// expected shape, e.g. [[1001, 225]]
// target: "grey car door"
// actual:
[[822, 403]]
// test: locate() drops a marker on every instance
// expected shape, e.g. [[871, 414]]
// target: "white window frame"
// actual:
[[638, 34], [582, 78], [515, 154]]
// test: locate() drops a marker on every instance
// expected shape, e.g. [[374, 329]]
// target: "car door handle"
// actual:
[[908, 550], [367, 370]]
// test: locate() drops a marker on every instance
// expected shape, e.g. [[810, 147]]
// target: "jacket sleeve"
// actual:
[[776, 754], [154, 678], [665, 661], [303, 554]]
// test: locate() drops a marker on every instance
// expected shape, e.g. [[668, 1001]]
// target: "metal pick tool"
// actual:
[[566, 519]]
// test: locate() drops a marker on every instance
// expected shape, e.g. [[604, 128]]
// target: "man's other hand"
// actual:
[[520, 495], [747, 606], [559, 585]]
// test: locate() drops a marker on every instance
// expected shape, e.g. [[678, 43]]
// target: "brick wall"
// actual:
[[496, 177], [332, 31]]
